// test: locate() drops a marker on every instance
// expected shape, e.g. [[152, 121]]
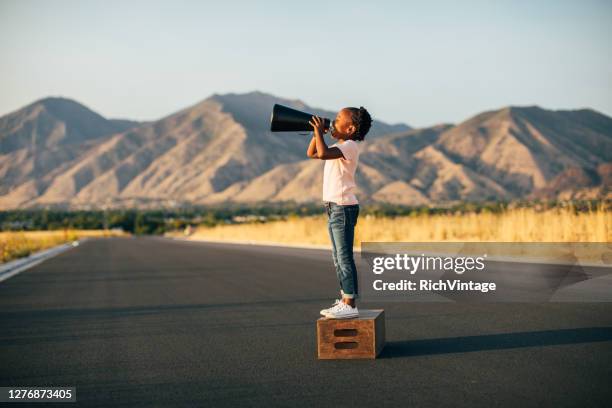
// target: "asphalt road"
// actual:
[[155, 322]]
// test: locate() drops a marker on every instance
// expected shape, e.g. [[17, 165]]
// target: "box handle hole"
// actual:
[[345, 332], [343, 345]]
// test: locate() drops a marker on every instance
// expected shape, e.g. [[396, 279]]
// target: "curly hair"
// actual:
[[362, 121]]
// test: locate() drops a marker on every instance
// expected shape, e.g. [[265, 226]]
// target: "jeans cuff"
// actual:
[[349, 295]]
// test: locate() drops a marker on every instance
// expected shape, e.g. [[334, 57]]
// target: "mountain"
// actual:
[[527, 151], [506, 154], [58, 152], [41, 140], [53, 122]]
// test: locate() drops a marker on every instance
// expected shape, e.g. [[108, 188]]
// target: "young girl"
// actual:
[[341, 159]]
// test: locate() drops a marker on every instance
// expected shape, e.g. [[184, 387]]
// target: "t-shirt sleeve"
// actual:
[[349, 149]]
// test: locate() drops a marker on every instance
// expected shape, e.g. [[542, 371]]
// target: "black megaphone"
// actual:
[[285, 119]]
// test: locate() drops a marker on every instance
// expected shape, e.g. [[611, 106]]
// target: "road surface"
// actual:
[[157, 322]]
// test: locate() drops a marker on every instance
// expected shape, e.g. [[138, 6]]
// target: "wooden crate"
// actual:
[[362, 337]]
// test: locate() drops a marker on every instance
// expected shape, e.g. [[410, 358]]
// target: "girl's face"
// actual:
[[343, 125]]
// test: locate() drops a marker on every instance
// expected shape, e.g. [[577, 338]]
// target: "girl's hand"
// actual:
[[318, 125]]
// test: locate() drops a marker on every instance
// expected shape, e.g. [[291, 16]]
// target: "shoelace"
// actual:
[[333, 305], [338, 307]]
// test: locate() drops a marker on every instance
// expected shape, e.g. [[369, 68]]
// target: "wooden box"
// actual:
[[362, 337]]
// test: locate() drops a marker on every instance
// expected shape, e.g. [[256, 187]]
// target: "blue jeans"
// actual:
[[341, 221]]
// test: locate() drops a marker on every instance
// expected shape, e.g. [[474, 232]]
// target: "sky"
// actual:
[[416, 62]]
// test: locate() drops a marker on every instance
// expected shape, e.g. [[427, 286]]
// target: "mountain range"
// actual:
[[57, 152]]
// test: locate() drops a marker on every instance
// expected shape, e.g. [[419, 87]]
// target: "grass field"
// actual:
[[19, 244], [513, 225]]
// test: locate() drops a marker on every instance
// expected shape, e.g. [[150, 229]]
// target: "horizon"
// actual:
[[405, 62], [93, 109]]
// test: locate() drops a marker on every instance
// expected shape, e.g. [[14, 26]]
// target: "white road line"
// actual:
[[12, 268]]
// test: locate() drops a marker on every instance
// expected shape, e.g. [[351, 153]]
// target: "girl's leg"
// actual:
[[350, 242], [334, 253], [342, 224]]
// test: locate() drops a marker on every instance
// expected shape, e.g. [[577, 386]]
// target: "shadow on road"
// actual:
[[466, 344]]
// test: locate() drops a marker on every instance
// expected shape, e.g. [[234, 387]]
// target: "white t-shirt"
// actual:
[[339, 175]]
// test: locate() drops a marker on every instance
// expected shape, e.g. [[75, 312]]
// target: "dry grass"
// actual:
[[515, 225], [22, 243]]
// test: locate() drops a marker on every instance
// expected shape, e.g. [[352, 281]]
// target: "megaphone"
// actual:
[[285, 119]]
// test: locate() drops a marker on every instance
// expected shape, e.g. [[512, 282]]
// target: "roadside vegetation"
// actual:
[[25, 231], [17, 244], [567, 223]]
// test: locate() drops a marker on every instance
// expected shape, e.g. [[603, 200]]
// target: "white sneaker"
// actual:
[[325, 311], [342, 311]]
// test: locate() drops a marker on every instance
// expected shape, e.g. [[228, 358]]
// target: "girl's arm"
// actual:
[[312, 149], [322, 151]]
